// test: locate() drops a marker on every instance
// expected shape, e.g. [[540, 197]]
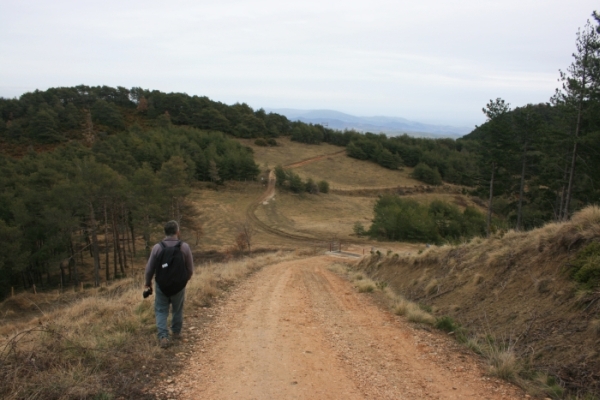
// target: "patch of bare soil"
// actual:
[[297, 330], [313, 159]]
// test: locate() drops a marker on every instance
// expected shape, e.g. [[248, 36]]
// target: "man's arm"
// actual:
[[189, 260], [151, 266]]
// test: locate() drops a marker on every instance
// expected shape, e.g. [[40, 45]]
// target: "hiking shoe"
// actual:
[[176, 335], [163, 343]]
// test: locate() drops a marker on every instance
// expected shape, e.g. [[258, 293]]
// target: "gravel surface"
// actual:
[[296, 330]]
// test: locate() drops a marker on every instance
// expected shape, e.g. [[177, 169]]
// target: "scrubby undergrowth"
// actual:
[[103, 345], [534, 295]]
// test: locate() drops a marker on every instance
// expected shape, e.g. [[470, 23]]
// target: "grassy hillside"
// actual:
[[341, 171], [517, 291]]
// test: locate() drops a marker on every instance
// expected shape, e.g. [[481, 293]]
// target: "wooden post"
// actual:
[[34, 291], [12, 291], [81, 286]]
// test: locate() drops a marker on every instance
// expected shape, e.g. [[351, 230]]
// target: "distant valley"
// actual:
[[391, 126]]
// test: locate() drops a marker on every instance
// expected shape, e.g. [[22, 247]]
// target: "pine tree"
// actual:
[[580, 87]]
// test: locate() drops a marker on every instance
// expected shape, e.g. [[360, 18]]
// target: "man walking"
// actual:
[[172, 263]]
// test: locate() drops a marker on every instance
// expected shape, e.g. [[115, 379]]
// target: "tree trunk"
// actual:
[[576, 139], [130, 222], [115, 270], [489, 214], [81, 252], [147, 235], [95, 246], [106, 252], [118, 243], [567, 204], [126, 225], [124, 246], [72, 259], [563, 193], [119, 248], [521, 189], [88, 243]]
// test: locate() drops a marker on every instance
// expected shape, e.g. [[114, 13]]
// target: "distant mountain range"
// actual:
[[391, 126]]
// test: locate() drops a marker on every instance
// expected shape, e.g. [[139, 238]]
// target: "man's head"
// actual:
[[171, 228]]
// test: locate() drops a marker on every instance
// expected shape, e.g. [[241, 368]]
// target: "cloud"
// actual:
[[403, 58]]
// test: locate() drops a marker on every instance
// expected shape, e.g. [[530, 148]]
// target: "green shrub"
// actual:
[[323, 186], [359, 229], [294, 182], [403, 219], [280, 175], [261, 142], [425, 173], [446, 324], [311, 187], [585, 269]]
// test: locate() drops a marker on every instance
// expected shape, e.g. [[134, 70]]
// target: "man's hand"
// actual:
[[147, 291]]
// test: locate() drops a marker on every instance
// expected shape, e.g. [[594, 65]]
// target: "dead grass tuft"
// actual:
[[595, 326], [504, 364], [365, 286], [473, 344], [587, 217], [340, 269], [543, 285], [415, 314], [432, 287], [478, 279], [412, 312]]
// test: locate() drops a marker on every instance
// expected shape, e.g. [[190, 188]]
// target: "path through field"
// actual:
[[296, 330]]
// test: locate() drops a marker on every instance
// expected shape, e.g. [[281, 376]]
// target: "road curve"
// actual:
[[265, 197]]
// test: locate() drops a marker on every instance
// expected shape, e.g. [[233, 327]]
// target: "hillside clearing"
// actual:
[[341, 171]]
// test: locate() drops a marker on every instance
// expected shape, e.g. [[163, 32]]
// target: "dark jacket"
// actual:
[[169, 241]]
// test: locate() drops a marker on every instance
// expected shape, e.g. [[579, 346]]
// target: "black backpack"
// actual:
[[171, 273]]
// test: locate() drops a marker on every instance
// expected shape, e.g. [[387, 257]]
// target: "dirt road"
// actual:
[[313, 159], [296, 330]]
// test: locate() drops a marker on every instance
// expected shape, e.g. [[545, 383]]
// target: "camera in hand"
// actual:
[[147, 292]]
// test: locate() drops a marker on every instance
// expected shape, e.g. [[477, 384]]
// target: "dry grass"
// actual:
[[341, 171], [102, 345], [322, 215], [340, 269], [433, 287], [222, 210], [504, 363], [287, 152], [595, 326], [398, 304], [414, 313], [478, 279], [365, 286], [510, 285]]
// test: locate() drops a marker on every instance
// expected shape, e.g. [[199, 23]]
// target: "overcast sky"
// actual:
[[435, 61]]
